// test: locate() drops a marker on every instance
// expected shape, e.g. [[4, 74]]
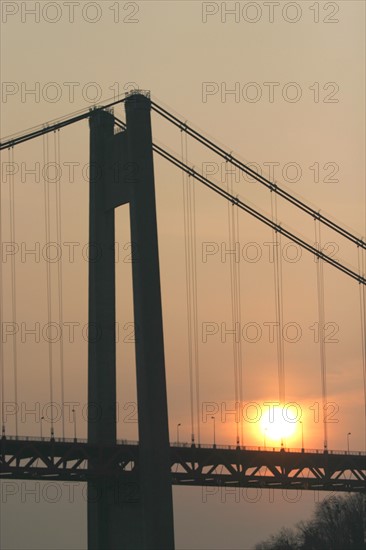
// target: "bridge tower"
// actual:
[[138, 516]]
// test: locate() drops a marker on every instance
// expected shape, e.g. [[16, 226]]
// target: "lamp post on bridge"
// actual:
[[40, 426], [349, 433], [214, 431], [302, 436], [178, 426], [74, 421]]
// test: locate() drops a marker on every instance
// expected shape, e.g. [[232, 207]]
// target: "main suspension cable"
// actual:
[[258, 177], [52, 126], [253, 212], [258, 215]]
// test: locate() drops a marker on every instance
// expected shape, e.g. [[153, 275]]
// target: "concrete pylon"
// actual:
[[137, 515], [154, 450]]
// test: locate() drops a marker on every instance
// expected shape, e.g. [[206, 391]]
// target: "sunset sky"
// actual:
[[281, 85]]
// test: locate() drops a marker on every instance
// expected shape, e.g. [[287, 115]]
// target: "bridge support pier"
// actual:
[[120, 516]]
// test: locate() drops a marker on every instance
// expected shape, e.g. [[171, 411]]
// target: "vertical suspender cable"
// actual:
[[277, 269], [13, 282], [234, 248], [192, 187], [192, 266], [48, 269], [240, 355], [59, 266], [361, 270], [2, 373], [188, 280], [321, 313], [232, 255]]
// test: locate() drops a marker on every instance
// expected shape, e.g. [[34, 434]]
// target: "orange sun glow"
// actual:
[[278, 422]]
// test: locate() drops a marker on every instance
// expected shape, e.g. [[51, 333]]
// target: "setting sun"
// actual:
[[278, 422]]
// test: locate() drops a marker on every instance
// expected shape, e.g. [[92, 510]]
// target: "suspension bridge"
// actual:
[[132, 480]]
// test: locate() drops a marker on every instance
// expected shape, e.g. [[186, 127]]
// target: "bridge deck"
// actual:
[[69, 460]]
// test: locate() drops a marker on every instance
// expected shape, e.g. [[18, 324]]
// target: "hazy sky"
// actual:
[[281, 84]]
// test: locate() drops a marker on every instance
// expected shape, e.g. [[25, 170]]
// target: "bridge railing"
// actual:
[[44, 438], [184, 445], [268, 449]]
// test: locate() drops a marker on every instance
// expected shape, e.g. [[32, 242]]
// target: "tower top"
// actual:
[[136, 92]]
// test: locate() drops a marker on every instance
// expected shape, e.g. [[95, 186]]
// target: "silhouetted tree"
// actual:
[[339, 523], [286, 539]]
